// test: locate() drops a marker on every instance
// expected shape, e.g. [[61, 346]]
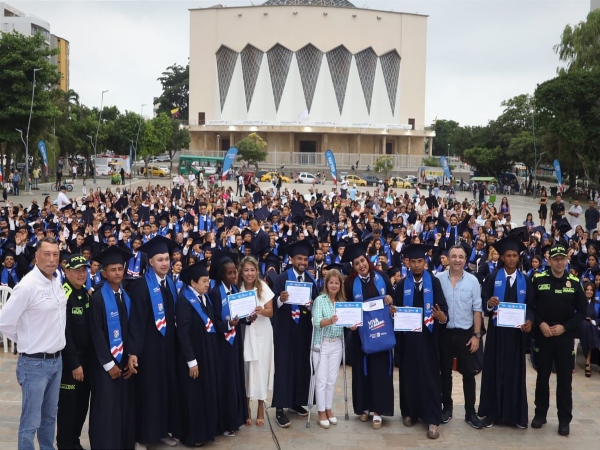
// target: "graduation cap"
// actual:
[[301, 247], [194, 272], [539, 229], [354, 251], [8, 249], [261, 213], [85, 247], [113, 255], [175, 249], [246, 231], [66, 208], [392, 271], [563, 225], [431, 202], [416, 251], [218, 211], [521, 232], [64, 255], [378, 220], [333, 266], [165, 217], [511, 242], [107, 227], [158, 245], [229, 222], [272, 260], [297, 210], [580, 268], [206, 246], [219, 258]]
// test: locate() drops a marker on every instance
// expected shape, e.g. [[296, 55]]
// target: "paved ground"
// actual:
[[353, 434]]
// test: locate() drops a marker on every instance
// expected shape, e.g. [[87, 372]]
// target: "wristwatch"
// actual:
[[477, 335]]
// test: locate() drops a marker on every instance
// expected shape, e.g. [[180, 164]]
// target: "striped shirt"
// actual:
[[323, 309]]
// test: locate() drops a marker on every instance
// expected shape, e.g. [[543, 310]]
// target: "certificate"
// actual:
[[408, 319], [349, 314], [242, 304], [511, 315], [300, 293]]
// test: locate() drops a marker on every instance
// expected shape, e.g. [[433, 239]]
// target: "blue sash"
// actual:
[[163, 231], [178, 283], [491, 266], [201, 223], [191, 297], [13, 274], [500, 289], [115, 334], [296, 308], [409, 293], [156, 298], [225, 313], [455, 232], [134, 265]]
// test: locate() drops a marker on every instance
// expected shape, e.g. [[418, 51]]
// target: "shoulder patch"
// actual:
[[573, 277], [541, 274]]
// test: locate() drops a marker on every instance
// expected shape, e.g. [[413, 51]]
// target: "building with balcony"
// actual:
[[11, 19], [309, 76], [61, 60]]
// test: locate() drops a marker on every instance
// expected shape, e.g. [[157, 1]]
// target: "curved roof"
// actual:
[[339, 3]]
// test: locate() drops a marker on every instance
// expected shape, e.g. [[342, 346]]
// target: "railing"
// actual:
[[344, 161], [269, 125]]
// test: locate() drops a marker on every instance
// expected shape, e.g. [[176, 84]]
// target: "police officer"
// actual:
[[560, 309], [74, 394]]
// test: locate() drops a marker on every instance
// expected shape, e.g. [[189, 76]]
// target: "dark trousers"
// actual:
[[453, 344], [73, 403], [557, 350]]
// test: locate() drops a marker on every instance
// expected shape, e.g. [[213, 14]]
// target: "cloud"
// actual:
[[479, 52]]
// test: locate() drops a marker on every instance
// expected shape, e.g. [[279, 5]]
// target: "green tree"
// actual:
[[384, 164], [486, 161], [252, 149], [180, 139], [19, 55], [444, 132], [175, 81], [579, 46]]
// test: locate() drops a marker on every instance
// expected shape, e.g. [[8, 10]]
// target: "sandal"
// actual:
[[248, 422], [588, 370], [260, 422], [377, 422], [364, 416]]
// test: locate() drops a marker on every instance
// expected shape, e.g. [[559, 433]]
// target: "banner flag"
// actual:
[[228, 162], [331, 163]]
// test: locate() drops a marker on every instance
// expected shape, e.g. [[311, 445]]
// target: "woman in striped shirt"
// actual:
[[327, 345]]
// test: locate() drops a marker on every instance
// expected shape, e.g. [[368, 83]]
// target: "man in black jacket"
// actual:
[[74, 394], [260, 238]]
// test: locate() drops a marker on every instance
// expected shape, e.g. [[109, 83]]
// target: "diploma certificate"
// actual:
[[408, 319], [349, 314], [300, 293], [242, 304], [511, 315]]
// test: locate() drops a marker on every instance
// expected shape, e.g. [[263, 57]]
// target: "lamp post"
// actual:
[[132, 163], [94, 148], [218, 141], [138, 131], [97, 130], [27, 136], [537, 161]]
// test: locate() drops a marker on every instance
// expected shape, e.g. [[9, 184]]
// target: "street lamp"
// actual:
[[138, 132], [97, 130], [537, 161], [218, 141], [27, 136]]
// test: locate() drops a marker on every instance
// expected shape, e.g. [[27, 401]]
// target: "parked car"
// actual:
[[371, 180], [261, 173], [269, 175], [411, 178], [305, 177], [156, 171], [355, 179], [160, 158], [400, 183]]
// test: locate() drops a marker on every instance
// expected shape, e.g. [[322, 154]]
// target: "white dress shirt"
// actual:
[[35, 315]]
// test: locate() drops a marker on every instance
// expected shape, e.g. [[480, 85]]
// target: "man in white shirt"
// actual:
[[575, 213], [62, 199], [35, 318]]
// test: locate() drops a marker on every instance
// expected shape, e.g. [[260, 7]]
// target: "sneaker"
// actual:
[[281, 418], [488, 422], [563, 429], [521, 426], [446, 416], [299, 410], [474, 421], [538, 421]]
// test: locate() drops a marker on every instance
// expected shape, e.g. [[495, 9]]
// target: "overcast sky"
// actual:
[[479, 52]]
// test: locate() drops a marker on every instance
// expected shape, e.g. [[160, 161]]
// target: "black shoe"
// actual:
[[474, 421], [281, 418], [299, 410], [446, 416], [537, 422], [563, 429], [488, 422]]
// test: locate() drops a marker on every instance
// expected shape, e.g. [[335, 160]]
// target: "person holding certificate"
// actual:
[[417, 351], [258, 339], [560, 307], [327, 339], [233, 411], [293, 330], [503, 396], [372, 381]]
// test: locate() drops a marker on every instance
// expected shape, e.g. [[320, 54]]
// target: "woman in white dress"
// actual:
[[258, 340]]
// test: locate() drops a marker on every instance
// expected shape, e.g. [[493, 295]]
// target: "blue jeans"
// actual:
[[40, 385]]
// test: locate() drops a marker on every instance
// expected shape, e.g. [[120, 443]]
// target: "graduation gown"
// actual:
[[292, 344], [374, 391], [233, 410], [503, 391], [418, 358], [199, 399], [112, 407], [157, 395], [589, 335]]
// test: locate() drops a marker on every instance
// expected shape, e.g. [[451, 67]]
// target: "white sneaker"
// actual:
[[169, 441], [139, 446]]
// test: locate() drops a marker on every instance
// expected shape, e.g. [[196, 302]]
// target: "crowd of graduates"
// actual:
[[150, 336]]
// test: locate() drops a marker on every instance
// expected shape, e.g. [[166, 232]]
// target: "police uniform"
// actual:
[[74, 395], [559, 301]]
